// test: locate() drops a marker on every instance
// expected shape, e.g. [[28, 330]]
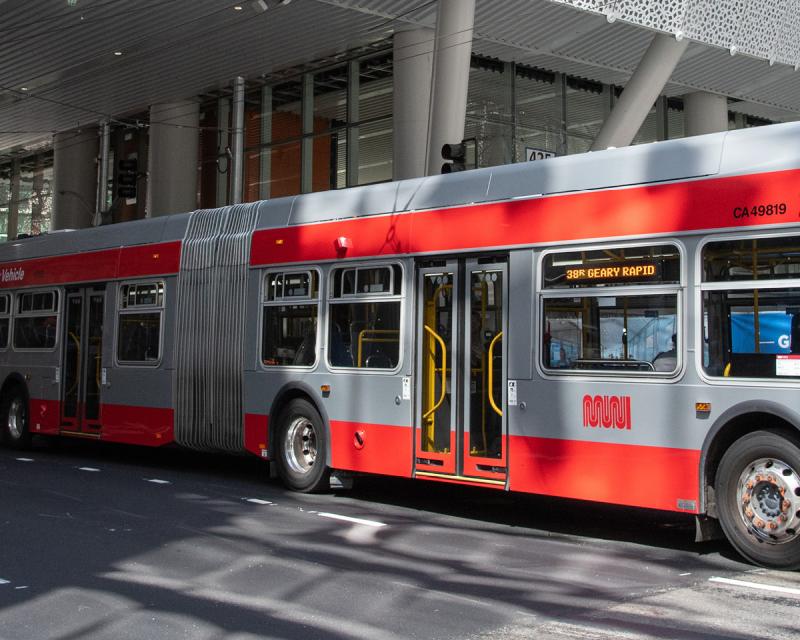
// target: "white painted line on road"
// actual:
[[156, 480], [257, 501], [24, 459], [87, 469], [336, 516], [756, 585]]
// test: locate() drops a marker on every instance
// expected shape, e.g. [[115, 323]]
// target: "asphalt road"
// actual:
[[101, 541]]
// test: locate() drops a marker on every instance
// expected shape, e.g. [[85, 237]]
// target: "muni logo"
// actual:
[[607, 411]]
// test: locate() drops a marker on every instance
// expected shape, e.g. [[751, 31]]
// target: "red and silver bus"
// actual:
[[620, 326]]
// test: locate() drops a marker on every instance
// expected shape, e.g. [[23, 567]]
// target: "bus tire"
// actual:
[[14, 416], [302, 448], [758, 498]]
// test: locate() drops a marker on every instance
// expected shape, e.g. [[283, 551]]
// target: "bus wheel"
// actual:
[[14, 414], [302, 448], [758, 498]]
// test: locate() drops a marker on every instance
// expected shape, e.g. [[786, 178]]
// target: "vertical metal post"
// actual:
[[237, 143], [102, 173], [265, 154], [353, 116], [561, 92], [661, 118], [307, 144], [13, 205], [223, 160]]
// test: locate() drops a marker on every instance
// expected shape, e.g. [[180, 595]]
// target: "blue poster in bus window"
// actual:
[[775, 329]]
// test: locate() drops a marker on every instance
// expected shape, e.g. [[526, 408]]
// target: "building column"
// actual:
[[74, 178], [237, 142], [413, 69], [641, 91], [704, 112], [172, 161], [451, 58]]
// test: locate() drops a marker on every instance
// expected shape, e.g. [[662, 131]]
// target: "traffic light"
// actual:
[[457, 156], [127, 177]]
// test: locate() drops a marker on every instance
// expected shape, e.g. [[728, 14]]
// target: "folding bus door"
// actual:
[[82, 360], [461, 329]]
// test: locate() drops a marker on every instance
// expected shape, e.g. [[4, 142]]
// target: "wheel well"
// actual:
[[280, 402], [734, 429], [14, 380]]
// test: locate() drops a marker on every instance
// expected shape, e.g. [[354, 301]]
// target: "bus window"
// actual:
[[139, 324], [751, 328], [289, 319], [364, 317], [5, 319], [593, 319], [36, 319]]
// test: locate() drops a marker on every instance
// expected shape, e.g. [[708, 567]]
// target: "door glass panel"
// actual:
[[72, 356], [94, 348], [437, 366], [485, 346]]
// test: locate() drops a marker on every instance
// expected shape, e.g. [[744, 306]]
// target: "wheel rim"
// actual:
[[300, 445], [768, 495], [16, 418]]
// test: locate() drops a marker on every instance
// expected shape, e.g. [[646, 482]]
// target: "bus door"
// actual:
[[461, 360], [82, 367]]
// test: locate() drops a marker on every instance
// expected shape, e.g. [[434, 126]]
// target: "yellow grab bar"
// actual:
[[444, 371], [497, 409]]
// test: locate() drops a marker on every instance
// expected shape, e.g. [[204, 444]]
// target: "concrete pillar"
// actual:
[[172, 161], [644, 86], [74, 178], [704, 112], [413, 68], [237, 141], [451, 57], [12, 229]]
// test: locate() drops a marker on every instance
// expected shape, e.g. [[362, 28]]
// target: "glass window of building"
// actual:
[[539, 113], [490, 111]]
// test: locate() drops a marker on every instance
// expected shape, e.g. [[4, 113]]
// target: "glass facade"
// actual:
[[26, 196]]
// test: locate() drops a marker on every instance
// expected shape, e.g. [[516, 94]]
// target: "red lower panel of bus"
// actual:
[[637, 476], [256, 433], [137, 425], [44, 416], [371, 448]]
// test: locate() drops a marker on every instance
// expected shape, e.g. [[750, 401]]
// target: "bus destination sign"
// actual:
[[642, 271]]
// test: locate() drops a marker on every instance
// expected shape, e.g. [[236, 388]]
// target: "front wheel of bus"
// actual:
[[758, 498], [14, 412], [302, 448]]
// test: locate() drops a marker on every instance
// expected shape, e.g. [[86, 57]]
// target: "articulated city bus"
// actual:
[[620, 326]]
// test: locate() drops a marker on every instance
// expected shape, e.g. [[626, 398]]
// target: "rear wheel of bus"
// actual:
[[14, 416], [302, 448], [758, 498]]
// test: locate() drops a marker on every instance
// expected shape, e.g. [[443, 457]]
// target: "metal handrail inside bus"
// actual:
[[362, 339], [490, 358], [438, 339]]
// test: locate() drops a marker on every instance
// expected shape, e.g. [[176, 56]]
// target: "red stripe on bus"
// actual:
[[44, 416], [371, 448], [637, 476], [148, 426], [92, 266], [635, 211], [256, 433]]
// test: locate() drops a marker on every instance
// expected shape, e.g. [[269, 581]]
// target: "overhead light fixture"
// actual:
[[284, 2], [23, 88], [259, 6], [237, 7], [118, 53]]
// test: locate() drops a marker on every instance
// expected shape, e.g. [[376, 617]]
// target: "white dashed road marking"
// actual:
[[87, 469], [257, 501], [756, 585], [336, 516], [24, 459], [156, 481]]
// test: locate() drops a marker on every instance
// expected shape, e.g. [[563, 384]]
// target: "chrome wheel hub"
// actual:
[[768, 494], [16, 419], [300, 445]]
